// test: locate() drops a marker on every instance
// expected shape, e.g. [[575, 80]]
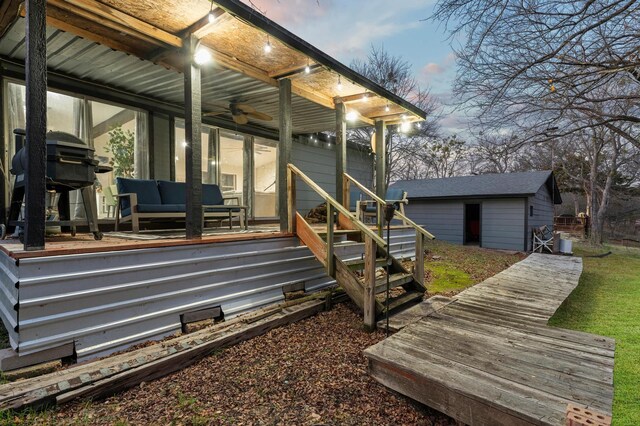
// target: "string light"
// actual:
[[339, 83], [268, 47], [365, 97], [307, 69], [352, 116], [212, 17], [386, 108], [202, 56], [405, 127]]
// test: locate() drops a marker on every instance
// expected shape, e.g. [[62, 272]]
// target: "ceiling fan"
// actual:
[[241, 113]]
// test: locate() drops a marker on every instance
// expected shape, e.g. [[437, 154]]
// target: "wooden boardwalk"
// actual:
[[488, 357]]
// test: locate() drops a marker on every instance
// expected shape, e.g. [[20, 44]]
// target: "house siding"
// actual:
[[319, 163], [503, 224], [444, 219], [542, 203]]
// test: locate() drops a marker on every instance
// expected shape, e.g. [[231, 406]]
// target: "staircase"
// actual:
[[357, 255]]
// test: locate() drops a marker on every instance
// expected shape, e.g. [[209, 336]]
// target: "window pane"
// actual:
[[117, 140], [265, 177], [231, 161], [207, 171]]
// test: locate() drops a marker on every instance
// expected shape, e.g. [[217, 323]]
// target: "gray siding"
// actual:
[[444, 219], [542, 212], [319, 163], [503, 224]]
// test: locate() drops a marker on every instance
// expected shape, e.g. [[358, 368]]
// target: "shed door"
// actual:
[[472, 228]]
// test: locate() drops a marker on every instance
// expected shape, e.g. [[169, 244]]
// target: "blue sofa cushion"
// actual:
[[172, 192], [211, 195], [156, 208], [147, 191]]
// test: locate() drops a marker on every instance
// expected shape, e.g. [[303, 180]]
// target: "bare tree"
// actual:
[[540, 64], [395, 74]]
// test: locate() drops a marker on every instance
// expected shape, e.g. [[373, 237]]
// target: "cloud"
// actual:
[[433, 68]]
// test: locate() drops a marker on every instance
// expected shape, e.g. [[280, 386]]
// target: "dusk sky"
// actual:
[[347, 29]]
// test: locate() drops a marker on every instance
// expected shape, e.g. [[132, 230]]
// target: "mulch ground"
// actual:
[[310, 372]]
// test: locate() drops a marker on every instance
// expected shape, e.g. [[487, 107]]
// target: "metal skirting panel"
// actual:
[[107, 301], [401, 241], [9, 296]]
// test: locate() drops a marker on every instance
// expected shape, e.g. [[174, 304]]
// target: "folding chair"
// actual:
[[542, 239]]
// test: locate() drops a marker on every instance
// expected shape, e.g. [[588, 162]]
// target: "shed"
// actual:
[[493, 210]]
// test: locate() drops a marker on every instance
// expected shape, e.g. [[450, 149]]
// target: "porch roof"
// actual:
[[136, 47]]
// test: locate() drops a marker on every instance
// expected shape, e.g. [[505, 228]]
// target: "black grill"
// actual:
[[70, 166]]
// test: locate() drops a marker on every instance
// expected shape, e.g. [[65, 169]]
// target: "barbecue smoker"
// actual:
[[70, 166]]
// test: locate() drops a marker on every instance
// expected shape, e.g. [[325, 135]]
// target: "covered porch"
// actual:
[[204, 93]]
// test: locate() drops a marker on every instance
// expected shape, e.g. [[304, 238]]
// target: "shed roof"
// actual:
[[482, 186]]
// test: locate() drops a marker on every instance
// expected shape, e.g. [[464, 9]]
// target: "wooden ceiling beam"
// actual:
[[202, 27], [325, 101], [89, 35], [294, 70], [92, 17], [358, 97], [114, 16]]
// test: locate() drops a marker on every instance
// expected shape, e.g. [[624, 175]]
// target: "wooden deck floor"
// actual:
[[488, 357]]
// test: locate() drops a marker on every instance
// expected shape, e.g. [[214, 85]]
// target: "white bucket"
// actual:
[[566, 246]]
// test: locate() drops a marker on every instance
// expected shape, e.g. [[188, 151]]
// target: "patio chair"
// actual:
[[395, 196], [110, 202], [542, 239]]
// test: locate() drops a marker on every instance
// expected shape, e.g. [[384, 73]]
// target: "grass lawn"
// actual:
[[607, 302], [450, 268]]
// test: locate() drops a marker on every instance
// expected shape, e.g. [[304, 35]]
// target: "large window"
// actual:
[[118, 134], [232, 164], [208, 150], [265, 178]]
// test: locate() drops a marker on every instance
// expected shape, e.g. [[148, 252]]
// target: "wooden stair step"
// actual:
[[339, 232], [395, 280], [407, 298], [357, 264]]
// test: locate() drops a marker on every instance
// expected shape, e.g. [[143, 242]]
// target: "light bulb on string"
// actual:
[[339, 86], [268, 47]]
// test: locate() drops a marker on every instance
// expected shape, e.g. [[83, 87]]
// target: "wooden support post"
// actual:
[[284, 154], [381, 172], [193, 138], [36, 167], [381, 159], [418, 270], [346, 192], [331, 263], [341, 151], [369, 303], [291, 201], [247, 175], [213, 162]]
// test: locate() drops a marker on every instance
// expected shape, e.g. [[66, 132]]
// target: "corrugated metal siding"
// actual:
[[319, 163], [444, 219], [542, 212], [106, 301], [9, 296], [89, 61], [503, 224]]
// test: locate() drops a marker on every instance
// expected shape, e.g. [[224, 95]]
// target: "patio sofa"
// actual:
[[151, 199]]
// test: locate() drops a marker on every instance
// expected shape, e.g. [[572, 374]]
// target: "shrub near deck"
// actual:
[[606, 302]]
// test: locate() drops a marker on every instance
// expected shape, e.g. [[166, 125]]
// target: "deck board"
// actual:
[[488, 356]]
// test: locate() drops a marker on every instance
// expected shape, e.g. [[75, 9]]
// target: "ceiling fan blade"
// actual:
[[260, 116], [245, 107], [213, 114], [240, 118]]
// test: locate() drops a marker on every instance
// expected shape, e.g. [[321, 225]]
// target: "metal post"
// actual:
[[331, 266], [36, 81], [193, 137]]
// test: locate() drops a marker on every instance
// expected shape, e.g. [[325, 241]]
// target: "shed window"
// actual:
[[530, 210]]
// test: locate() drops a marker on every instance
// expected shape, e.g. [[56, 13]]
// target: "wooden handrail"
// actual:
[[337, 206], [382, 202]]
